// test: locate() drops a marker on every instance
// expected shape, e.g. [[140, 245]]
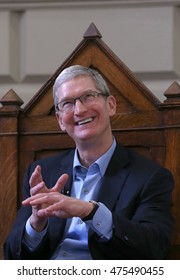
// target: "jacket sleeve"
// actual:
[[14, 247], [142, 219]]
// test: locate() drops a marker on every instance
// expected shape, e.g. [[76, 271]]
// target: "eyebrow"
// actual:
[[84, 92]]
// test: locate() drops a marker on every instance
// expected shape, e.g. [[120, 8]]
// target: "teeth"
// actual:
[[85, 121]]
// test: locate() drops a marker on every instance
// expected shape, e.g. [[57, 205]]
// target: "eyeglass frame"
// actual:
[[95, 94]]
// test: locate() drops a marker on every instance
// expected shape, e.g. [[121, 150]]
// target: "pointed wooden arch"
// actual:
[[93, 52]]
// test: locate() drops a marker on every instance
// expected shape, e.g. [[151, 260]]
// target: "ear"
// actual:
[[60, 122], [111, 105]]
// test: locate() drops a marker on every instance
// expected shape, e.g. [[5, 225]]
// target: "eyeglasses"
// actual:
[[88, 98]]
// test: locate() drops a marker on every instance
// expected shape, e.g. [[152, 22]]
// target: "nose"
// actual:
[[79, 107]]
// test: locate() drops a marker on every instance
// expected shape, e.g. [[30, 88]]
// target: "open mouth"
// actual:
[[88, 120]]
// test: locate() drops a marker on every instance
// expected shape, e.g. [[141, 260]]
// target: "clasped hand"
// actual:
[[48, 202]]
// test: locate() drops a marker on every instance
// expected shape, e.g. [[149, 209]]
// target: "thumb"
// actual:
[[60, 183]]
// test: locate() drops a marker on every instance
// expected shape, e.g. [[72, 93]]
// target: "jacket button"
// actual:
[[126, 237], [18, 255]]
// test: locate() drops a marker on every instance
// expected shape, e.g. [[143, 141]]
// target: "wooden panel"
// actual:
[[8, 176]]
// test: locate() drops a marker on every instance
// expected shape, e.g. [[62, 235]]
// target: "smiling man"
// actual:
[[99, 200]]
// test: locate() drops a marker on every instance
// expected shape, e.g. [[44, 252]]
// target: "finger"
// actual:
[[32, 198], [36, 177], [42, 198], [55, 207], [60, 183], [36, 189], [44, 213], [25, 202]]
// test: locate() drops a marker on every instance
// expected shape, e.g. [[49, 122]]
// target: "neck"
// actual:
[[89, 152]]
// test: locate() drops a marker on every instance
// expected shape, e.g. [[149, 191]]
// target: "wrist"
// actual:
[[36, 224], [93, 211]]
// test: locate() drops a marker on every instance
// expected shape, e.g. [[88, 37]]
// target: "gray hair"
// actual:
[[75, 71]]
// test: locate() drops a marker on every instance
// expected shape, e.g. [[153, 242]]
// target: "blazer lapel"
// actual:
[[114, 178], [65, 165]]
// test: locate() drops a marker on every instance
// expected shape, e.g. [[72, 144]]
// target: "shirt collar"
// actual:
[[102, 162]]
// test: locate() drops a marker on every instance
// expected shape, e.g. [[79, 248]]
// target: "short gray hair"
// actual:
[[75, 71]]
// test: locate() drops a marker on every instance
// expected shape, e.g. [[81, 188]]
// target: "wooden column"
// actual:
[[171, 118], [9, 112]]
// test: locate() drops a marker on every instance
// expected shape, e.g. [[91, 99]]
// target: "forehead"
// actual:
[[76, 86]]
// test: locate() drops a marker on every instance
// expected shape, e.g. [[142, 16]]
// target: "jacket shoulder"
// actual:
[[63, 158]]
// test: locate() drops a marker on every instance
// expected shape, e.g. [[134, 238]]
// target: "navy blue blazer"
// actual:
[[138, 191]]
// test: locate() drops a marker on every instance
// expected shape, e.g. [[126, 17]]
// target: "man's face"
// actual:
[[85, 121]]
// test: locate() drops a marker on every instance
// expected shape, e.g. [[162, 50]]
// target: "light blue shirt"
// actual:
[[86, 184]]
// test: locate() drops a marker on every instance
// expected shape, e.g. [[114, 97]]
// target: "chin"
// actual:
[[86, 137]]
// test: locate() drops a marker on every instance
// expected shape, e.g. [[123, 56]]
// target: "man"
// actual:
[[98, 201]]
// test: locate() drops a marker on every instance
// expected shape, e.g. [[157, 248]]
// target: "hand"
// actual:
[[37, 186], [59, 205]]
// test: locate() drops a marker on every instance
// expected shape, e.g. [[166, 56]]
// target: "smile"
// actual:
[[85, 121]]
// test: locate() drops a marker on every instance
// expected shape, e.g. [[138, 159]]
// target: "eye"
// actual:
[[67, 104], [89, 96]]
